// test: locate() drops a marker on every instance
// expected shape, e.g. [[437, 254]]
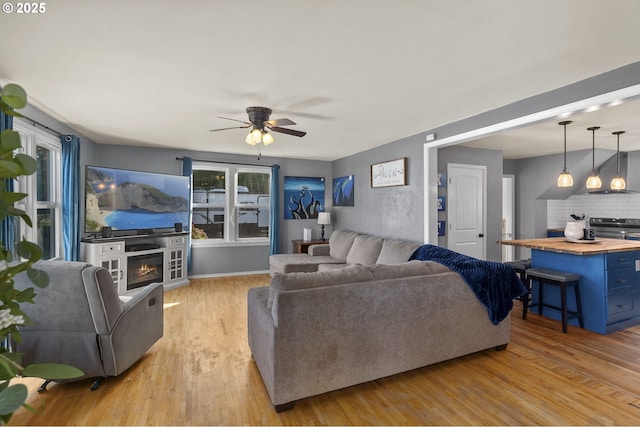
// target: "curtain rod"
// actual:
[[37, 123], [224, 163]]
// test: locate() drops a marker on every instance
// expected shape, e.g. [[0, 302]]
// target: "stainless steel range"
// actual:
[[615, 228]]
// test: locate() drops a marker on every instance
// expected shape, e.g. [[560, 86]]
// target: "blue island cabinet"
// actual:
[[610, 287]]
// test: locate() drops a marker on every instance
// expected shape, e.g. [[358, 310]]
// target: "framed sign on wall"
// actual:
[[389, 174]]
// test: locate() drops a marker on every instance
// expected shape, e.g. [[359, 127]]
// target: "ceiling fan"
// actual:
[[259, 122]]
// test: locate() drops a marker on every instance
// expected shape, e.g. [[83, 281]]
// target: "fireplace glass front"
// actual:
[[144, 269]]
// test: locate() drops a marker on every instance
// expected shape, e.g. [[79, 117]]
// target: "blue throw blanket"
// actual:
[[494, 284]]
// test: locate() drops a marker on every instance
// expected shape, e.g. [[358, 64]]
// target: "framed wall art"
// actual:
[[303, 197], [389, 174], [343, 191]]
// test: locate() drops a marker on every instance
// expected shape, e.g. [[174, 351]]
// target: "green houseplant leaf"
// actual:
[[12, 398], [14, 96], [38, 277], [52, 371], [9, 141]]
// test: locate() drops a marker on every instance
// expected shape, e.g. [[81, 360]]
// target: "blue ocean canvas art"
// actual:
[[303, 197]]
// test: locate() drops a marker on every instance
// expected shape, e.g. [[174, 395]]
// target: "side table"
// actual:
[[302, 246]]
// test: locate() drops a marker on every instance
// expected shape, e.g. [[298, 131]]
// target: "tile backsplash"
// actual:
[[593, 205]]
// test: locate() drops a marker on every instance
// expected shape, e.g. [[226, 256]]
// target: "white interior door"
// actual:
[[466, 212]]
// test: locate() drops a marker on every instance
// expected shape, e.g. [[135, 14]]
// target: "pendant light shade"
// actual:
[[593, 182], [565, 179], [617, 183]]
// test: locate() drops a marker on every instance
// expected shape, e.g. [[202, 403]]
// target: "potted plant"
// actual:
[[14, 165]]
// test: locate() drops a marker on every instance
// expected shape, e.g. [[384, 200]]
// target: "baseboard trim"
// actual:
[[235, 273]]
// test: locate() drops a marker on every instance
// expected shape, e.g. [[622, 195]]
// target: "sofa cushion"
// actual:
[[407, 269], [364, 250], [396, 251], [340, 242], [289, 263], [293, 281]]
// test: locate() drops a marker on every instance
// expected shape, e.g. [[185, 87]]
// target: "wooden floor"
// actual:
[[201, 373]]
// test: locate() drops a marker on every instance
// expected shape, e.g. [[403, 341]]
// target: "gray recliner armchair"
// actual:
[[81, 321]]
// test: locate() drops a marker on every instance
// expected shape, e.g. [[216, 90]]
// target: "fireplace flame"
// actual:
[[144, 270]]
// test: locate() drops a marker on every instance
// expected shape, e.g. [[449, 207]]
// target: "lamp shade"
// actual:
[[324, 218], [594, 182], [617, 183], [565, 179]]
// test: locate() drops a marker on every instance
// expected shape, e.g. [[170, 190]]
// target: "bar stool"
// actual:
[[520, 267], [545, 276]]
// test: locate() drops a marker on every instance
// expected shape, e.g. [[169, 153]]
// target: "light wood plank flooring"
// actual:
[[201, 373]]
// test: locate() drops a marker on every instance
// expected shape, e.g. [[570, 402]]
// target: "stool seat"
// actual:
[[521, 264], [547, 276], [558, 276]]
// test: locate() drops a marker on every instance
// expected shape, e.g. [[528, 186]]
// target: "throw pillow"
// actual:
[[365, 250]]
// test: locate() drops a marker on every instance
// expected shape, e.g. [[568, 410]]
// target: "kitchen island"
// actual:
[[610, 284]]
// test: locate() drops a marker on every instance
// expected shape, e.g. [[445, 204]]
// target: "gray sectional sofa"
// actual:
[[315, 332], [344, 247]]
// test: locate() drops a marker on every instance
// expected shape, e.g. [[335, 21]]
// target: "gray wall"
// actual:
[[220, 259], [396, 212], [292, 229], [492, 159]]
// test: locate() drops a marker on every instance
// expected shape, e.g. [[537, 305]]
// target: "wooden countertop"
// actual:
[[559, 244]]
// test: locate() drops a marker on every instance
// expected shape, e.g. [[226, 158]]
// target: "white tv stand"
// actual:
[[115, 253]]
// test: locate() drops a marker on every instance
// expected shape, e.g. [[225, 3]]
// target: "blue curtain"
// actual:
[[7, 227], [274, 212], [187, 170], [71, 196]]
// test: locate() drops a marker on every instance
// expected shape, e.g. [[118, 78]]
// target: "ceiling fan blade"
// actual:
[[235, 120], [280, 122], [288, 131], [234, 127]]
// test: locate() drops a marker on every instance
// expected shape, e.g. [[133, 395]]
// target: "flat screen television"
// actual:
[[134, 200]]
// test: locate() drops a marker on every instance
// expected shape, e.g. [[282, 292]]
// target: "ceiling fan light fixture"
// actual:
[[593, 182], [249, 140], [267, 138], [565, 179], [254, 137]]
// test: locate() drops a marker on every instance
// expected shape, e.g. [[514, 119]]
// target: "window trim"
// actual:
[[31, 137], [231, 206]]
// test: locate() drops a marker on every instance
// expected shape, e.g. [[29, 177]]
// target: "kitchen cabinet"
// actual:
[[610, 283]]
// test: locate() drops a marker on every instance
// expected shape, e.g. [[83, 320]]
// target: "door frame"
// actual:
[[508, 251]]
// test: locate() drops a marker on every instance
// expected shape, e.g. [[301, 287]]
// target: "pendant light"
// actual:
[[565, 179], [617, 183], [593, 182]]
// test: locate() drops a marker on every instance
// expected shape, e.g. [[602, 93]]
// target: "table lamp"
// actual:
[[324, 218]]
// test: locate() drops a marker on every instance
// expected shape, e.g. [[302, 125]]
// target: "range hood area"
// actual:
[[607, 172], [607, 168]]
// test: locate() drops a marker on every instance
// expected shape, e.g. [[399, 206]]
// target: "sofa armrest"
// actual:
[[321, 249]]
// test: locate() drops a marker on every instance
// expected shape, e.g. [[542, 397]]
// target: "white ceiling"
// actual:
[[547, 137], [354, 74]]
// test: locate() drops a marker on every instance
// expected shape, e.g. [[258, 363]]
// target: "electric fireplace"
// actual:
[[144, 269]]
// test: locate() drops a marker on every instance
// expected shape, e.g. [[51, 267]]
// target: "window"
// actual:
[[231, 203], [43, 203]]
